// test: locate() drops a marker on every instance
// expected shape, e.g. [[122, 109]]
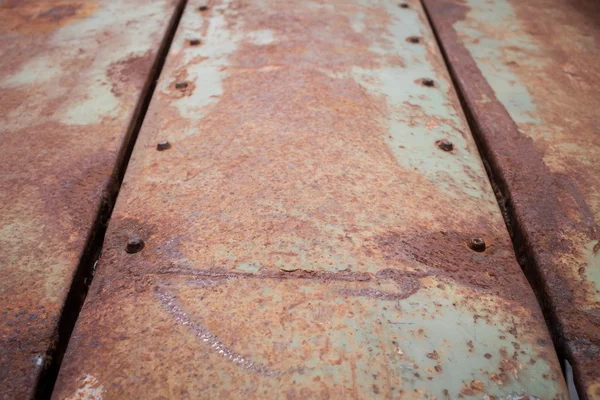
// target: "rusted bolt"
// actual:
[[477, 244], [163, 145], [181, 85], [134, 245], [195, 42], [428, 82], [403, 5], [413, 39], [202, 8], [445, 145]]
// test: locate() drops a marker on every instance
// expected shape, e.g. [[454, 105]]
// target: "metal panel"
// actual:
[[310, 231], [528, 71], [72, 75]]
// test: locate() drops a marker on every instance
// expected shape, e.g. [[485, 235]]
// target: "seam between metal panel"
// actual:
[[90, 255], [523, 250]]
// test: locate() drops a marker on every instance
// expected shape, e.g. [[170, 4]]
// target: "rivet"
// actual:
[[403, 5], [163, 145], [181, 85], [202, 8], [413, 39], [134, 245], [477, 244], [428, 82], [445, 145], [195, 42]]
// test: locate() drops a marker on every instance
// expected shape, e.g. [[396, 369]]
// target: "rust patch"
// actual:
[[129, 75], [443, 254], [35, 16]]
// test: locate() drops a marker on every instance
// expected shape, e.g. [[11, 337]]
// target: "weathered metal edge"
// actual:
[[43, 379], [494, 131], [84, 273]]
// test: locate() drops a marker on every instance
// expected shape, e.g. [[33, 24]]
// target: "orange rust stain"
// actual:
[[35, 16], [129, 75], [477, 386], [181, 86]]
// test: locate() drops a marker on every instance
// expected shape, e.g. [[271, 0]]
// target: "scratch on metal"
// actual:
[[169, 303]]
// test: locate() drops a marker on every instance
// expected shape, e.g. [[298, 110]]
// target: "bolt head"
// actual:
[[445, 145], [477, 244], [428, 82], [163, 145], [181, 85], [134, 245]]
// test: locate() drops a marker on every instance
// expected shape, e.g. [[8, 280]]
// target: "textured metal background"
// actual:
[[304, 235], [529, 72], [72, 73]]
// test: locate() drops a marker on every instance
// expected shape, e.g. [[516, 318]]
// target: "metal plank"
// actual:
[[72, 76], [306, 235], [527, 72]]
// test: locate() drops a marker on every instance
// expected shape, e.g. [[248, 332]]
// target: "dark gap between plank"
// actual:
[[523, 252], [87, 264]]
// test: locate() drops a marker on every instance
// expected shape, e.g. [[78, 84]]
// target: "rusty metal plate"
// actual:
[[308, 232], [528, 71], [71, 76]]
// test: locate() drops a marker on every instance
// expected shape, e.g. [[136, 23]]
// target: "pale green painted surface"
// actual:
[[490, 54]]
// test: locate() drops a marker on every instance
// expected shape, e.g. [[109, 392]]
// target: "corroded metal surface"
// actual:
[[307, 232], [71, 76], [529, 73]]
